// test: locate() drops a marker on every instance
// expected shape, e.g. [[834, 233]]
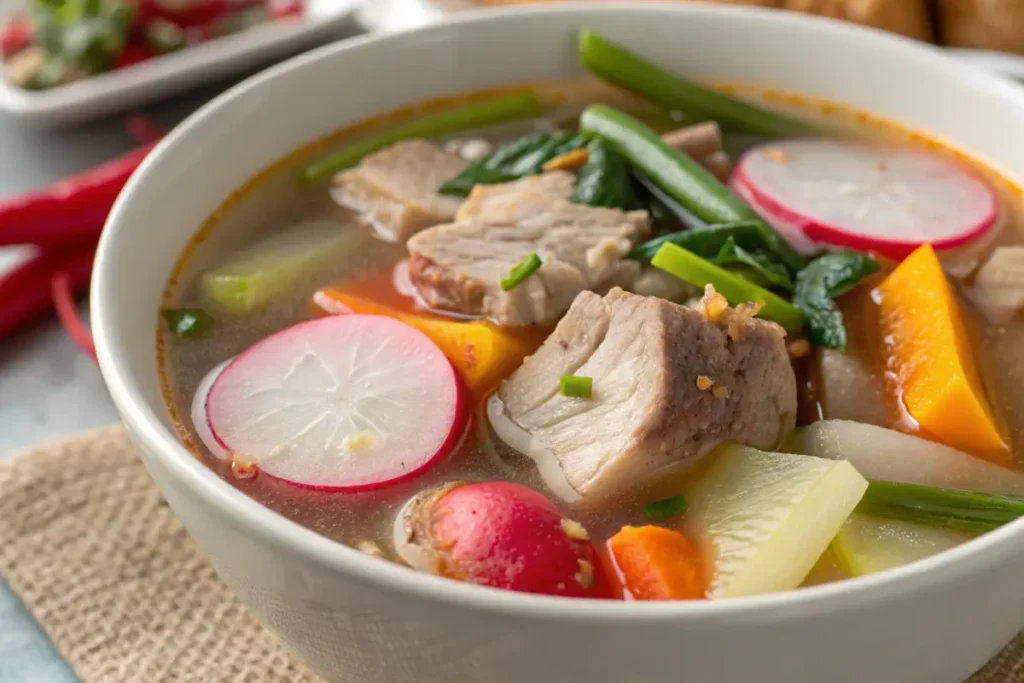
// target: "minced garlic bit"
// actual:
[[778, 155], [574, 530], [720, 391], [740, 316], [243, 468], [798, 348], [585, 576], [704, 382], [370, 548], [713, 304], [359, 442]]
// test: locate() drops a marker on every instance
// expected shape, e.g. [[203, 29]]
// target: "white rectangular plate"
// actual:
[[171, 74]]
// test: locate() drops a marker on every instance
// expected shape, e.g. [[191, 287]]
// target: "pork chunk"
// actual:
[[395, 190], [669, 384], [513, 201], [459, 267]]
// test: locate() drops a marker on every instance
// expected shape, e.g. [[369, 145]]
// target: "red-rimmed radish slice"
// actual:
[[889, 200], [343, 403], [200, 421]]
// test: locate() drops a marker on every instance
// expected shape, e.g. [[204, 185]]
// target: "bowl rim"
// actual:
[[161, 443]]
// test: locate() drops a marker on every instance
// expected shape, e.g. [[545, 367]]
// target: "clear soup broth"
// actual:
[[858, 384]]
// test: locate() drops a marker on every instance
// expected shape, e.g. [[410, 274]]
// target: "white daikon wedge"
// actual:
[[888, 455], [867, 545], [764, 519]]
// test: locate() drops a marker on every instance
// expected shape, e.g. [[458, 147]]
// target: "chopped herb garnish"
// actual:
[[188, 322], [524, 269], [667, 507], [577, 387]]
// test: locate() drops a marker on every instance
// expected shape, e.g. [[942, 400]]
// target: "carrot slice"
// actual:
[[656, 563], [482, 353], [569, 161], [930, 358]]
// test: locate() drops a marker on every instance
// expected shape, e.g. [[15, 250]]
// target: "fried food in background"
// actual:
[[984, 24], [906, 17]]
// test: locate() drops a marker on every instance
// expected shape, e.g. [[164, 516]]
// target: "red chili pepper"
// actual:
[[62, 292], [192, 14], [15, 35], [132, 55], [25, 290], [286, 9], [71, 209]]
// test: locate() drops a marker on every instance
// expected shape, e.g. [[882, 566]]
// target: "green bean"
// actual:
[[677, 174], [627, 70], [940, 507], [698, 272], [498, 110]]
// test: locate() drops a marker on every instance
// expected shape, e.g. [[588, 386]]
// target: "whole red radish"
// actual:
[[499, 534]]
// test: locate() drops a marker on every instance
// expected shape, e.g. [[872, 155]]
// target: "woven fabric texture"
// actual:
[[111, 575]]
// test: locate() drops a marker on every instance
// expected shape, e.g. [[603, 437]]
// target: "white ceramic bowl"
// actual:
[[353, 618]]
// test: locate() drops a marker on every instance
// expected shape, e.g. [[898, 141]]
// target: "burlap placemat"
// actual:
[[110, 574]]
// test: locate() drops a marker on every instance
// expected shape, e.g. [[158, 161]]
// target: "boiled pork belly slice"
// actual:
[[670, 383], [459, 267], [512, 201], [395, 189]]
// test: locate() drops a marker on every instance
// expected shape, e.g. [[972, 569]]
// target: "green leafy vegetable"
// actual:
[[521, 157], [521, 105], [605, 180], [79, 36], [698, 272], [707, 241], [666, 507], [164, 36], [677, 174], [524, 269], [188, 322], [756, 266], [940, 507], [827, 277], [627, 70], [577, 387]]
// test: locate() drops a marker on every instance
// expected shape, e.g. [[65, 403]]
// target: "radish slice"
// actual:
[[342, 403], [882, 199], [200, 421]]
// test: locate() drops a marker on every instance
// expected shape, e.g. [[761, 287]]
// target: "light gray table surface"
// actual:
[[48, 389]]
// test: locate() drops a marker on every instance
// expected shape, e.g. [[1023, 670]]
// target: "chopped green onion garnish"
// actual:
[[188, 322], [577, 387], [667, 507], [524, 269]]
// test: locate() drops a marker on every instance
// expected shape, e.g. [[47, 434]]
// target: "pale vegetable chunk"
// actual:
[[888, 455], [258, 275], [867, 545], [764, 519]]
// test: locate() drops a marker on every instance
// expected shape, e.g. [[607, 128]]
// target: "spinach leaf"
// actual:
[[605, 180], [825, 278], [756, 266], [706, 241], [522, 157]]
